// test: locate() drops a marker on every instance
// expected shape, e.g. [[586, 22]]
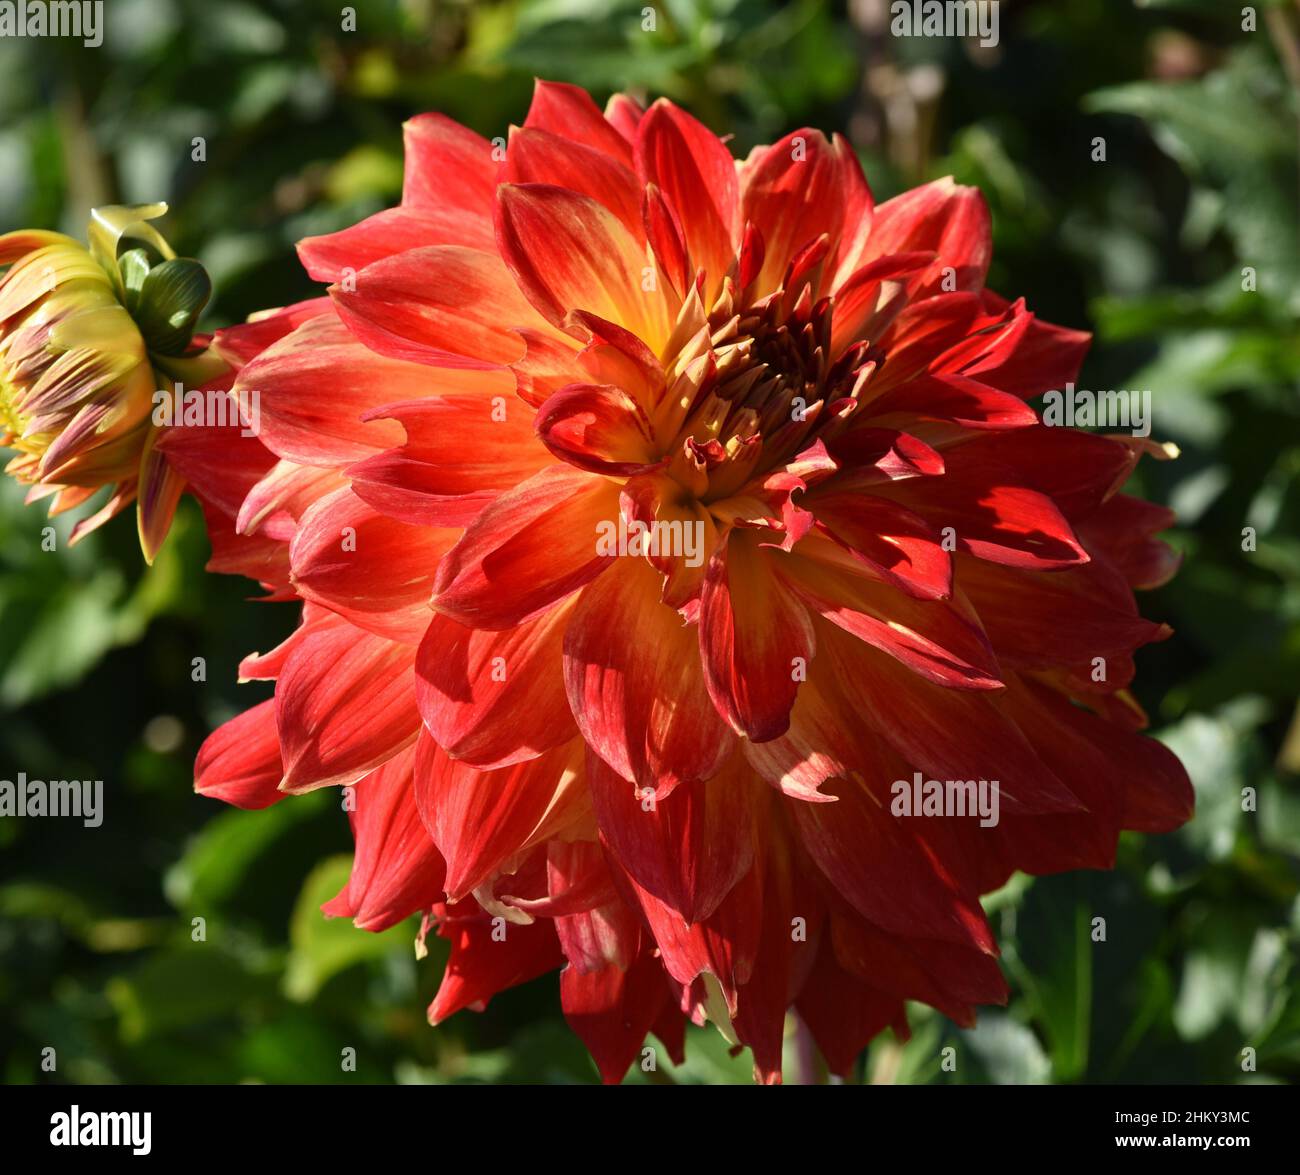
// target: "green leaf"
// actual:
[[1202, 125], [320, 947], [1212, 977], [62, 610], [182, 989], [217, 860], [1217, 753], [1053, 964], [1008, 1051]]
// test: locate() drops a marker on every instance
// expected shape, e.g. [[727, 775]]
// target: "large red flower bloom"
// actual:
[[656, 515]]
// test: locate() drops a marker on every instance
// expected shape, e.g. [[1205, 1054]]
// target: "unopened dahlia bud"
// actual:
[[87, 335]]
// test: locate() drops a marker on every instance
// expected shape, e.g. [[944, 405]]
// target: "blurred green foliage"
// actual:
[[1180, 250]]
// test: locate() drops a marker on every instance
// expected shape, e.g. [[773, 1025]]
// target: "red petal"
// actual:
[[670, 1028], [345, 703], [268, 666], [599, 428], [689, 849], [667, 240], [539, 157], [887, 538], [568, 111], [989, 515], [878, 865], [941, 641], [868, 299], [956, 398], [941, 217], [635, 684], [447, 165], [1077, 470], [495, 698], [1041, 619], [724, 945], [1122, 530], [1158, 796], [255, 556], [656, 499], [341, 256], [528, 549], [396, 870], [274, 505], [1031, 357], [239, 762], [923, 330], [550, 364], [481, 819], [488, 956], [373, 570], [624, 113], [755, 638], [1148, 786], [461, 451], [447, 190], [696, 174], [844, 1014], [792, 917], [568, 253], [313, 388], [948, 734], [244, 341], [796, 190], [873, 456], [445, 305], [948, 977], [220, 465], [821, 743], [597, 929], [577, 879], [612, 1010]]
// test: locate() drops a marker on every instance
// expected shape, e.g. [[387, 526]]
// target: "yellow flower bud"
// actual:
[[87, 335]]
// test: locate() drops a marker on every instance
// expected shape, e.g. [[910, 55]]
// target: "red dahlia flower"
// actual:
[[657, 516]]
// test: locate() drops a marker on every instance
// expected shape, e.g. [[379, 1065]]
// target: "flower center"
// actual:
[[771, 385]]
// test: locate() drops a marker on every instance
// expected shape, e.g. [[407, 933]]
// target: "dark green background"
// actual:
[[302, 128]]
